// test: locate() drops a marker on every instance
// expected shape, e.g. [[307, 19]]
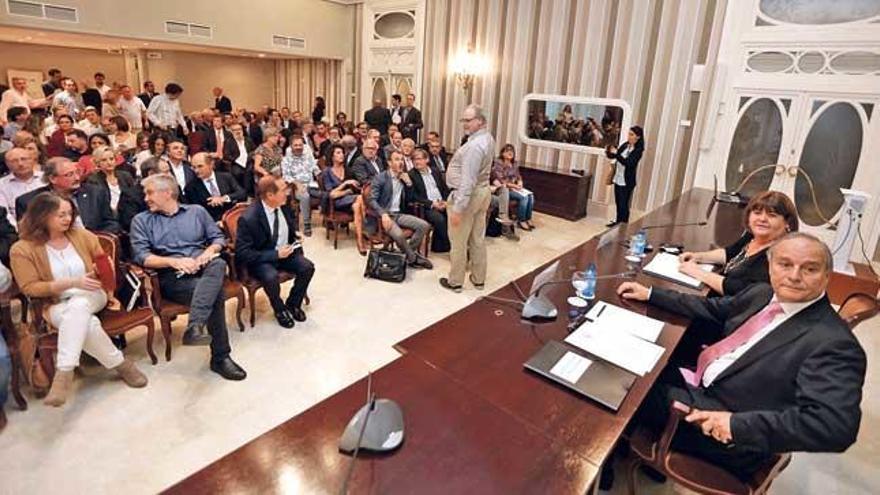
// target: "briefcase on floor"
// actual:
[[385, 265]]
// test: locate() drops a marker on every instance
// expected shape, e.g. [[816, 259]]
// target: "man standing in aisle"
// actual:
[[468, 179]]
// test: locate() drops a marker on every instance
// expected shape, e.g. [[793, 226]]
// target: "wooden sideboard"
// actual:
[[558, 194]]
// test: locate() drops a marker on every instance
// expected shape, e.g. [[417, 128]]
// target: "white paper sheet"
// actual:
[[570, 367], [666, 265], [620, 348], [624, 320]]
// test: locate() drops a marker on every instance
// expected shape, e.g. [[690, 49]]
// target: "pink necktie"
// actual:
[[740, 336]]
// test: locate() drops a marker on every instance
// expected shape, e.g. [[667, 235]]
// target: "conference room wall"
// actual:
[[249, 82], [327, 27], [638, 50], [79, 63]]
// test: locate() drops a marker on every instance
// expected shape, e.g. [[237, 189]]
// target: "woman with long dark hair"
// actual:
[[626, 161], [319, 110]]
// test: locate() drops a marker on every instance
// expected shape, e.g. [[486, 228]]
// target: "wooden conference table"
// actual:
[[476, 420]]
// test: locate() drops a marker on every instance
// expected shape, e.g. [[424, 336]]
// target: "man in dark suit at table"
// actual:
[[222, 102], [214, 190], [221, 144], [92, 202], [430, 191], [787, 375], [267, 242]]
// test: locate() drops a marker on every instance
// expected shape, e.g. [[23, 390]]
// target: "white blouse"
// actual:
[[65, 263]]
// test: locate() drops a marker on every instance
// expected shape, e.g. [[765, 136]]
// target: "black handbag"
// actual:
[[389, 266]]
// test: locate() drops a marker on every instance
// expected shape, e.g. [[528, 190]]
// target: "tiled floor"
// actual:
[[112, 439]]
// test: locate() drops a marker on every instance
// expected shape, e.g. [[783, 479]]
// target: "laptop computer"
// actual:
[[601, 381]]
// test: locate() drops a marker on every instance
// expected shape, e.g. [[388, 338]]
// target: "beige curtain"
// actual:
[[298, 82]]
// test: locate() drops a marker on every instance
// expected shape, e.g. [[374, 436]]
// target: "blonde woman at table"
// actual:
[[768, 217]]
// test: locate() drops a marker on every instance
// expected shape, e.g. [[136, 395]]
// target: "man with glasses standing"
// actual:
[[468, 180]]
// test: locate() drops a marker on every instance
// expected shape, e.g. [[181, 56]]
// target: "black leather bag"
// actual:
[[384, 265]]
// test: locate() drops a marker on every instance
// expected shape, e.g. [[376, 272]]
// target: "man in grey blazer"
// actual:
[[786, 376], [387, 203]]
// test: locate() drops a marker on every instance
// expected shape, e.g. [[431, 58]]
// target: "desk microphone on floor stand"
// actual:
[[377, 426]]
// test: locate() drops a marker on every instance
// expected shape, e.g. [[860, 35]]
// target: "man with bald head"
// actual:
[[221, 102], [786, 376], [214, 190], [22, 179]]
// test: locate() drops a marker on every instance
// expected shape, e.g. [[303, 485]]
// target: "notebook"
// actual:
[[593, 378], [665, 266]]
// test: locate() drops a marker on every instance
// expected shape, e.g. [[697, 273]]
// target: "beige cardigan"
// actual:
[[30, 263]]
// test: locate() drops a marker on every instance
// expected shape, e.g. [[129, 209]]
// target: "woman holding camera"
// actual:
[[626, 161]]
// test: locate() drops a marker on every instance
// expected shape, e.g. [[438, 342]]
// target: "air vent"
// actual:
[[288, 41], [42, 11], [188, 29]]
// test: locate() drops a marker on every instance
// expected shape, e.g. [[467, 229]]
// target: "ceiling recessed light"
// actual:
[[261, 55], [146, 44]]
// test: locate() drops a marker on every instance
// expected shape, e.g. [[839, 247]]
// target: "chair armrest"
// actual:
[[677, 412]]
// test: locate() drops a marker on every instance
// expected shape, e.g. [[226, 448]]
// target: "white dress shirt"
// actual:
[[165, 112], [103, 90], [620, 169], [11, 187], [179, 174], [431, 188], [12, 98], [133, 111], [72, 103], [718, 366], [88, 127], [242, 154], [282, 224]]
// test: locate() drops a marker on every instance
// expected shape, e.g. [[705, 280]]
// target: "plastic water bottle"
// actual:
[[589, 290], [641, 242]]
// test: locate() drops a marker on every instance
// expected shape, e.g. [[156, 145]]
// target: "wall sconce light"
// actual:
[[467, 66]]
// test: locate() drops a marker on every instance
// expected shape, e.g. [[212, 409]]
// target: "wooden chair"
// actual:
[[857, 308], [335, 220], [114, 322], [379, 238], [169, 310], [240, 273], [10, 336], [692, 472]]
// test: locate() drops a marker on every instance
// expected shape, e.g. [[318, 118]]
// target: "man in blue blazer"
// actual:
[[267, 242]]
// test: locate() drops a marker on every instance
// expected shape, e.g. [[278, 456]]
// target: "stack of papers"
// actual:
[[665, 265], [620, 337], [624, 320]]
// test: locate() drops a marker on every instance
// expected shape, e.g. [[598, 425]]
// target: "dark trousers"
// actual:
[[267, 274], [689, 439], [440, 234], [203, 293], [622, 198]]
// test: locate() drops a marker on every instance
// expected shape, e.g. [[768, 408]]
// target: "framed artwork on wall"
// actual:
[[34, 80]]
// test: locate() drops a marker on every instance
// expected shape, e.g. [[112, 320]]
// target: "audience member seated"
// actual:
[[352, 150], [267, 242], [396, 139], [343, 192], [499, 210], [126, 199], [122, 139], [505, 173], [214, 190], [157, 145], [56, 144], [22, 179], [5, 359], [221, 143], [387, 203], [268, 156], [8, 236], [768, 217], [86, 162], [368, 165], [76, 144], [253, 129], [91, 122], [16, 120], [183, 244], [181, 169], [69, 98], [92, 203], [439, 158], [429, 190], [333, 137], [300, 169], [786, 376], [245, 147], [55, 259], [407, 146]]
